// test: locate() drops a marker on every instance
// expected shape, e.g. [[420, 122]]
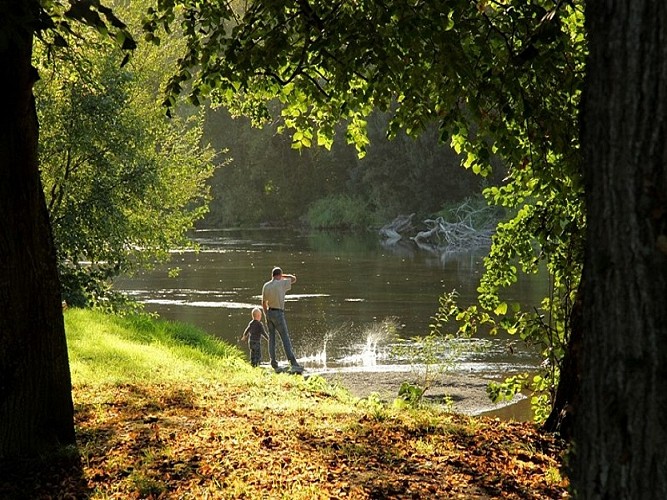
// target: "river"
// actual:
[[348, 289]]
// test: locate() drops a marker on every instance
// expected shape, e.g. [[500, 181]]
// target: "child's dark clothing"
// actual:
[[255, 332]]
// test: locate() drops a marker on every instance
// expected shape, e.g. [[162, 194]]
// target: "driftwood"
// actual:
[[431, 234], [395, 229], [472, 229]]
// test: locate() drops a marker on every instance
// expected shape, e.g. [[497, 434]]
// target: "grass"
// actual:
[[163, 410], [107, 349]]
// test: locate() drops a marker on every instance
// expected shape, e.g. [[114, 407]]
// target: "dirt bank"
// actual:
[[467, 392]]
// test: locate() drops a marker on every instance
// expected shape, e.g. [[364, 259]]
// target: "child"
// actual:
[[254, 334]]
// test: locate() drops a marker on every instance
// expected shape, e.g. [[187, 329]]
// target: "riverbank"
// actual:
[[165, 411], [459, 393]]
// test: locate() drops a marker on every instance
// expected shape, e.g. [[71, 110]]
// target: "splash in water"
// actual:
[[319, 354], [375, 347], [347, 346]]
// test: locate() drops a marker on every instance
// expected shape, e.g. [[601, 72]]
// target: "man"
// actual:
[[273, 302]]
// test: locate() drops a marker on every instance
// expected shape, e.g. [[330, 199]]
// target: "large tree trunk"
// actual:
[[621, 424], [36, 411]]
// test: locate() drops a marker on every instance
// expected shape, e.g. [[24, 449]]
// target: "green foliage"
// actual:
[[91, 287], [537, 136], [506, 390], [123, 184], [339, 212], [542, 398], [411, 394], [540, 386]]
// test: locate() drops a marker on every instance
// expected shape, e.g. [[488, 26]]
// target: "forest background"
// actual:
[[268, 181]]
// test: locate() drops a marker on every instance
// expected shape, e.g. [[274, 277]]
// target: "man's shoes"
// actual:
[[296, 368]]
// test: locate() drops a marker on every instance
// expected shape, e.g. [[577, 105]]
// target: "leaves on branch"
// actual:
[[89, 12]]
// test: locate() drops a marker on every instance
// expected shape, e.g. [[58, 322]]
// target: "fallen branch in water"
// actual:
[[472, 229]]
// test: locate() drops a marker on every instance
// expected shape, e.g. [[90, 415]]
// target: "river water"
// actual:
[[348, 289]]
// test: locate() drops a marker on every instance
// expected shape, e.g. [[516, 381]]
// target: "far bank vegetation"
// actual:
[[269, 183]]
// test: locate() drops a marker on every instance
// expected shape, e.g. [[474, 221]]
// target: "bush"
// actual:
[[339, 212]]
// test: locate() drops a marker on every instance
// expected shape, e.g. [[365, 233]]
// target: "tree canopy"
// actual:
[[123, 183]]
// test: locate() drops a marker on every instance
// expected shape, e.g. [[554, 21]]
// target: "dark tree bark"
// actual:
[[36, 411], [561, 418], [621, 424]]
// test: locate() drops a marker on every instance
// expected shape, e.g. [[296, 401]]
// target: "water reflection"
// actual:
[[348, 287]]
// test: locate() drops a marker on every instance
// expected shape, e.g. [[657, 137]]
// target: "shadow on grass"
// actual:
[[46, 477], [381, 461], [125, 420], [169, 442]]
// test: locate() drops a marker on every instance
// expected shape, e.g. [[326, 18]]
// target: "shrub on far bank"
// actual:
[[339, 212]]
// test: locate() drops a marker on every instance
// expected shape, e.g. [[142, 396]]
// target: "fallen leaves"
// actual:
[[206, 442]]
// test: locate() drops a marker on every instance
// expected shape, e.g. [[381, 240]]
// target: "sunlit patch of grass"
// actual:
[[112, 351], [293, 394], [108, 349]]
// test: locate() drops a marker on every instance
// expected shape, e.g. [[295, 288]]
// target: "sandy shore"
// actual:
[[467, 392]]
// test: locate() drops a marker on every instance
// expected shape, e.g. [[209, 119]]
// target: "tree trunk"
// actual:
[[621, 424], [36, 411], [561, 418]]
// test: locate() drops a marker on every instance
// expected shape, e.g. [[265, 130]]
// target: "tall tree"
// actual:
[[123, 182], [621, 431], [36, 411]]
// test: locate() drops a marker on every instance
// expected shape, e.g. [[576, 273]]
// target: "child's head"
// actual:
[[257, 313]]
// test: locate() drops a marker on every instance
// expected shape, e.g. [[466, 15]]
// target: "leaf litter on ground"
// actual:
[[215, 441]]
